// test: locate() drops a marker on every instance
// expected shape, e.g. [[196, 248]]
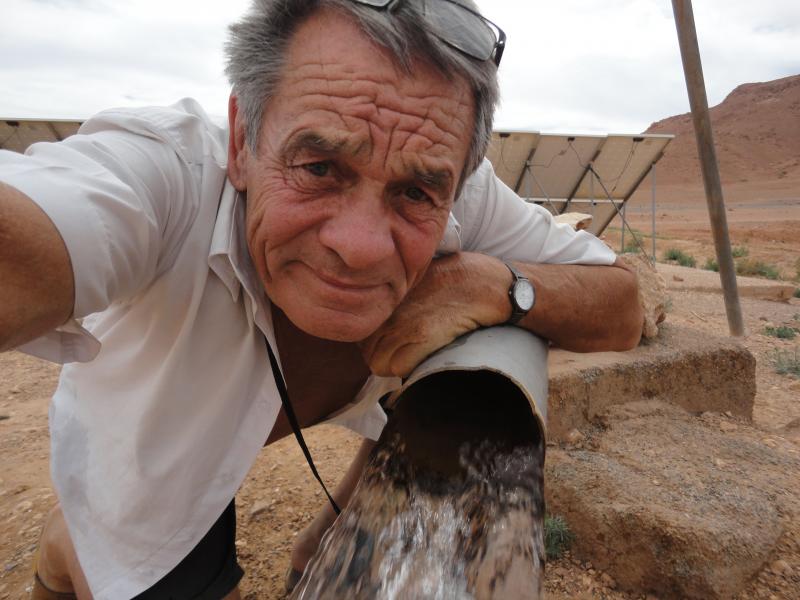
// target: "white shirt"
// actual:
[[168, 396]]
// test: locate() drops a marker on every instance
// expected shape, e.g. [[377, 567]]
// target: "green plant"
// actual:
[[797, 293], [631, 248], [787, 362], [679, 256], [758, 268], [782, 332], [740, 251], [557, 536], [711, 265]]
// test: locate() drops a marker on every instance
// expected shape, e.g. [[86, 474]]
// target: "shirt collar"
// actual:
[[229, 257]]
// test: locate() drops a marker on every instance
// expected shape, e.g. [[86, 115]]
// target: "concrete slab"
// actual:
[[696, 371], [700, 280], [675, 505]]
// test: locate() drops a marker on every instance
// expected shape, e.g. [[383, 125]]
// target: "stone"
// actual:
[[575, 437], [575, 220], [608, 581], [259, 508], [668, 538], [652, 293], [727, 426], [781, 567], [677, 278]]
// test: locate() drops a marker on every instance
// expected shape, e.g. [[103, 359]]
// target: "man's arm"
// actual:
[[581, 308], [36, 293], [578, 307]]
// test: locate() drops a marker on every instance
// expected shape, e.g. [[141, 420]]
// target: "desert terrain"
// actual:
[[758, 140]]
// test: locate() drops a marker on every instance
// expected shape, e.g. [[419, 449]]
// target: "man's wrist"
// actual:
[[487, 280]]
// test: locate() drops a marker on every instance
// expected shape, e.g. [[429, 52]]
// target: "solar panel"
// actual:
[[18, 134], [593, 174], [509, 152]]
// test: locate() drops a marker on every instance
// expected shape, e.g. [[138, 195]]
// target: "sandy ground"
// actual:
[[282, 488]]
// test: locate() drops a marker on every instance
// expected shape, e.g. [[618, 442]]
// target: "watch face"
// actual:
[[523, 294]]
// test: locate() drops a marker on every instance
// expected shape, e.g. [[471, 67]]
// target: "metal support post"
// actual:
[[695, 85], [653, 209], [622, 243]]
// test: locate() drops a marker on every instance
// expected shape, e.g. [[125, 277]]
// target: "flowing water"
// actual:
[[450, 505]]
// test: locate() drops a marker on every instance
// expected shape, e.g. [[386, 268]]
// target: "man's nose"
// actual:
[[360, 230]]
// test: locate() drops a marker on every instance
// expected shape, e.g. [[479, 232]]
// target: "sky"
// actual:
[[570, 66]]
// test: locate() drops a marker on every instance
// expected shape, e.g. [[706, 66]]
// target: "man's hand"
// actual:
[[459, 293], [581, 308]]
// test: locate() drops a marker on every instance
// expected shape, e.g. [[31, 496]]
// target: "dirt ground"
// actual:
[[283, 492]]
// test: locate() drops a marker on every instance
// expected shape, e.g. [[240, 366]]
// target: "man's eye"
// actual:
[[416, 194], [318, 169]]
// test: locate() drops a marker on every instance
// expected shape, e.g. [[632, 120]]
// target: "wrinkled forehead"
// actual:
[[336, 77]]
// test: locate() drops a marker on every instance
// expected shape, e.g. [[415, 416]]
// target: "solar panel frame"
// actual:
[[561, 171]]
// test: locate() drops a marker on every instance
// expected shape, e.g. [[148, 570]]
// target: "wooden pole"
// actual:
[[695, 85]]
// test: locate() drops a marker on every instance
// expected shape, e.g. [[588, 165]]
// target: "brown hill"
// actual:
[[756, 132]]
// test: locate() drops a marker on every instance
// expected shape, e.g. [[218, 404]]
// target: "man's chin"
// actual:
[[337, 327]]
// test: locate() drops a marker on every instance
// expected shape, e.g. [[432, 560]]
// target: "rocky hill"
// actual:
[[756, 131]]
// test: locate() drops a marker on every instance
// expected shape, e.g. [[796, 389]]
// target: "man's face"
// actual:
[[353, 181]]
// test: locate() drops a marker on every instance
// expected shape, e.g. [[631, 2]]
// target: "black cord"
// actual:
[[287, 407]]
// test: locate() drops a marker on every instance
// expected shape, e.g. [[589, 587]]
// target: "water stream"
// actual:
[[450, 505]]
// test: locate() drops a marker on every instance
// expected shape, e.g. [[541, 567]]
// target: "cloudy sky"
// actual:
[[570, 65]]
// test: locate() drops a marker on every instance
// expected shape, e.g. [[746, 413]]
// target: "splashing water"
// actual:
[[450, 512]]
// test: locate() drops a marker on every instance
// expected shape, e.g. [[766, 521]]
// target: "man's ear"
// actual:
[[238, 150]]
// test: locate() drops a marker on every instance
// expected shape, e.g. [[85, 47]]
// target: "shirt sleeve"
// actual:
[[495, 221], [119, 201]]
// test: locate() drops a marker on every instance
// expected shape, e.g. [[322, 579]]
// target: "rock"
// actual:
[[677, 278], [781, 567], [652, 293], [668, 538], [575, 220], [575, 437], [727, 426], [24, 506], [260, 507], [608, 581]]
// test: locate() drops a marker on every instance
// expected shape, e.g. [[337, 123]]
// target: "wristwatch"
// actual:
[[521, 294]]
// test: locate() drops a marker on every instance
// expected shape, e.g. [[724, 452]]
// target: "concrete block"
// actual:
[[696, 371], [700, 280]]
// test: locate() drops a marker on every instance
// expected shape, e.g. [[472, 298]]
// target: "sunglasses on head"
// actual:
[[458, 26]]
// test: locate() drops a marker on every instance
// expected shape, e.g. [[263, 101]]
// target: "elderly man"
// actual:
[[350, 228]]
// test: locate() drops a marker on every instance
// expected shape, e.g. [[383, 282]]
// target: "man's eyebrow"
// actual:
[[438, 179], [319, 143]]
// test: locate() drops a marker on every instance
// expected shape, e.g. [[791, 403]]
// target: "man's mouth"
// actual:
[[346, 283]]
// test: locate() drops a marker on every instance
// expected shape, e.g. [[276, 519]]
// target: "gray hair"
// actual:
[[257, 46]]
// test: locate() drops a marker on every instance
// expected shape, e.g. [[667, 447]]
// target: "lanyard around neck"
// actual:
[[287, 408]]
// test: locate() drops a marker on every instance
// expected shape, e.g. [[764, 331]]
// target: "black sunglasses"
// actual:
[[458, 26]]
